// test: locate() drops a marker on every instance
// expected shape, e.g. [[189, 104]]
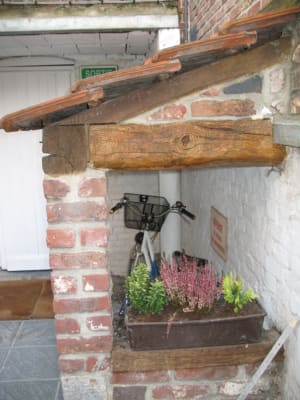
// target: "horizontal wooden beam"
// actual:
[[142, 100], [243, 142], [126, 360]]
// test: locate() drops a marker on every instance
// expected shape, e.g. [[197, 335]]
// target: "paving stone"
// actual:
[[31, 363], [36, 332], [34, 390], [8, 332]]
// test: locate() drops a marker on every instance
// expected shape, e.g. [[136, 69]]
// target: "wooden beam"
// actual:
[[126, 360], [66, 148], [182, 145], [140, 101]]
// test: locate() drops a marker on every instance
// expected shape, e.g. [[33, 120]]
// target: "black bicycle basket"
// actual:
[[145, 212]]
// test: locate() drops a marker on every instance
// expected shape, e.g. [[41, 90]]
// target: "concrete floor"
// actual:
[[28, 355]]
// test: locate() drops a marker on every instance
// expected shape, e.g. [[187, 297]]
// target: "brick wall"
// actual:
[[206, 383], [262, 206], [206, 16], [77, 237], [263, 211]]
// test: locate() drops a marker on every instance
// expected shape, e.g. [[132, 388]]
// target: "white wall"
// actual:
[[263, 211]]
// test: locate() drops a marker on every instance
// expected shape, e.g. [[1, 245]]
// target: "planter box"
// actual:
[[176, 329]]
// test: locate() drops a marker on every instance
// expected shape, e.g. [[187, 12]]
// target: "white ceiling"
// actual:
[[74, 44]]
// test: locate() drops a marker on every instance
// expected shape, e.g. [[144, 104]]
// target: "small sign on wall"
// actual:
[[218, 233], [87, 72]]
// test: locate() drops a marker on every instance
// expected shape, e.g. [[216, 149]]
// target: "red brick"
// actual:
[[91, 304], [295, 78], [295, 103], [179, 391], [95, 364], [66, 325], [55, 189], [140, 377], [76, 212], [95, 282], [254, 9], [92, 187], [99, 323], [211, 373], [170, 111], [296, 55], [278, 80], [61, 238], [64, 284], [213, 108], [84, 345], [68, 365], [250, 368], [94, 236], [211, 92], [129, 392], [91, 259]]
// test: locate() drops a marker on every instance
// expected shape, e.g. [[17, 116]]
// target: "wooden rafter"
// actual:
[[140, 101]]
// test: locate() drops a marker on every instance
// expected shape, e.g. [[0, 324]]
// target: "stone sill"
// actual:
[[125, 359]]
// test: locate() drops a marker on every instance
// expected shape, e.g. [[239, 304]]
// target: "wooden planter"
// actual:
[[175, 329]]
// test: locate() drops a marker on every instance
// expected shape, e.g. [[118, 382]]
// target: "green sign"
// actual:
[[87, 72]]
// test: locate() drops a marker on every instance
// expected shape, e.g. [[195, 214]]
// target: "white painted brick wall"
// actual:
[[121, 238], [263, 211]]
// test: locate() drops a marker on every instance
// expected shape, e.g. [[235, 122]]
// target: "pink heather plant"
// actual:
[[190, 286]]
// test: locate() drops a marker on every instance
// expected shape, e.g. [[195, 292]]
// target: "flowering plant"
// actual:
[[189, 286]]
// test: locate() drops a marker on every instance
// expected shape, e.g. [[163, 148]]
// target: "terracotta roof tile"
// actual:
[[233, 37]]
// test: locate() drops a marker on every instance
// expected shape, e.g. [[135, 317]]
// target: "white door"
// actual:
[[23, 221]]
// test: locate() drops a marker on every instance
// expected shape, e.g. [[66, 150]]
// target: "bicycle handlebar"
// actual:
[[177, 207], [182, 209], [117, 207]]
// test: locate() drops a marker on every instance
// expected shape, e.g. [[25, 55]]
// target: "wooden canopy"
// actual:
[[240, 48], [164, 67]]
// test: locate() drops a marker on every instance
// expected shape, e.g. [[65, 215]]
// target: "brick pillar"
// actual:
[[77, 237]]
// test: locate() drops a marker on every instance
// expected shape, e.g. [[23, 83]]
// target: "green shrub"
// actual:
[[145, 295], [232, 290]]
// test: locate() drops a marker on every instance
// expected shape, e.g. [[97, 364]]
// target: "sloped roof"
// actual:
[[234, 37]]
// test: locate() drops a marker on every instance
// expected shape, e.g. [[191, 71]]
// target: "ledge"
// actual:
[[286, 131], [125, 359]]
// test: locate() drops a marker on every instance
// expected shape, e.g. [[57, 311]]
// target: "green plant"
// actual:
[[145, 295], [232, 290]]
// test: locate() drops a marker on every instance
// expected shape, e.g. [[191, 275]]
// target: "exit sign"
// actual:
[[87, 72]]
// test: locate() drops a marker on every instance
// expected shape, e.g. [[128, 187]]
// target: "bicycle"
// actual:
[[147, 213]]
